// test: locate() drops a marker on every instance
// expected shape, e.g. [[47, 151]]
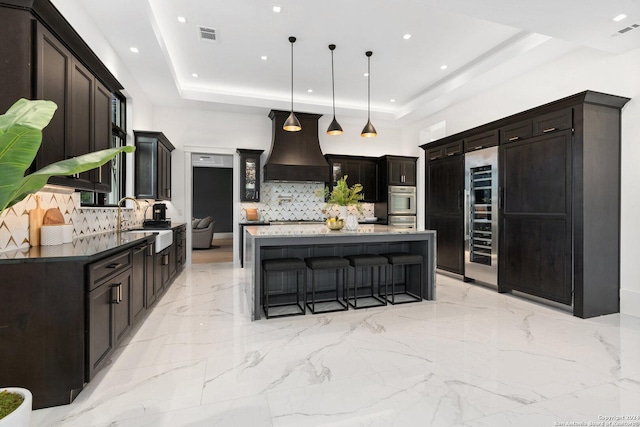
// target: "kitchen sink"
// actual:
[[164, 238]]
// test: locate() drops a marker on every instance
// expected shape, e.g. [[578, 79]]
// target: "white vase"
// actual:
[[343, 212], [21, 417], [352, 223]]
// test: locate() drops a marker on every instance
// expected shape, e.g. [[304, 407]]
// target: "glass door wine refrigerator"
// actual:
[[481, 215]]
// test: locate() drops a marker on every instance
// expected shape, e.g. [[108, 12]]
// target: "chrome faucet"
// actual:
[[119, 221]]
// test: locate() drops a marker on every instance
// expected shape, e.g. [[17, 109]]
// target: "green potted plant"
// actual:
[[343, 196], [15, 407], [20, 138]]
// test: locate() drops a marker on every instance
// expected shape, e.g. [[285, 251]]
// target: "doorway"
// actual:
[[212, 196]]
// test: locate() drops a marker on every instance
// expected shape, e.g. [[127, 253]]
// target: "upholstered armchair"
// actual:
[[202, 233]]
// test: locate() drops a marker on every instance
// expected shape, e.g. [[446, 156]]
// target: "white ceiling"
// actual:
[[471, 37]]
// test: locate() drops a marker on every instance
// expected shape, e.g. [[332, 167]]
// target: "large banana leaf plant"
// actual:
[[20, 139]]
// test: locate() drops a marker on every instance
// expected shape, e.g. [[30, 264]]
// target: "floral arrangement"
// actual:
[[342, 194]]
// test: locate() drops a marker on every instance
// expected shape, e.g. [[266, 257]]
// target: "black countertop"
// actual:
[[82, 248]]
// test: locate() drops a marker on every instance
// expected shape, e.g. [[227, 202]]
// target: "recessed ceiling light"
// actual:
[[276, 9], [182, 19], [263, 57], [619, 17], [392, 100], [196, 75], [134, 49], [309, 90], [406, 36], [443, 67], [366, 74]]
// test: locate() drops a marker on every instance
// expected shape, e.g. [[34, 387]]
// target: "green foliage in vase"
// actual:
[[20, 139], [342, 194]]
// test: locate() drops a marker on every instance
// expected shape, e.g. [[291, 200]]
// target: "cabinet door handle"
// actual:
[[120, 293], [548, 130], [100, 174], [114, 265], [514, 138], [114, 294]]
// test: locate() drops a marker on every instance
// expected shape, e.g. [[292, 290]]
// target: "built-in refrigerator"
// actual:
[[481, 215]]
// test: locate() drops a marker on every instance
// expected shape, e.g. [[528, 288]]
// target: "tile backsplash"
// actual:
[[14, 222], [297, 201]]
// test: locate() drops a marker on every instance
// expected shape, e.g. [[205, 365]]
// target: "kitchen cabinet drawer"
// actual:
[[484, 140], [516, 132], [554, 121], [114, 264], [442, 151]]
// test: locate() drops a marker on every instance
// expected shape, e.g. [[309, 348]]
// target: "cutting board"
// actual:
[[53, 216], [36, 217]]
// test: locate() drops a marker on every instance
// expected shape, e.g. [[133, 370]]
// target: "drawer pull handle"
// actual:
[[451, 154], [115, 293], [548, 130], [514, 138], [114, 265], [478, 147]]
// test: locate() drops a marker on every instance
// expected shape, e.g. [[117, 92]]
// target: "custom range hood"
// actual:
[[295, 156]]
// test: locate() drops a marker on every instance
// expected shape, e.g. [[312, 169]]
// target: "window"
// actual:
[[118, 166]]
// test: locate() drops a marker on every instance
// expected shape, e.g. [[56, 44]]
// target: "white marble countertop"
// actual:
[[321, 230]]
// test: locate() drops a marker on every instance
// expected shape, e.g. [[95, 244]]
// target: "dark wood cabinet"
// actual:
[[109, 308], [180, 240], [139, 279], [535, 226], [360, 170], [44, 58], [152, 165], [444, 207], [482, 140], [559, 210], [400, 170], [249, 175], [516, 131], [151, 282]]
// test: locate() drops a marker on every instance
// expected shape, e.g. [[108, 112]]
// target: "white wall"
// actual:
[[584, 69]]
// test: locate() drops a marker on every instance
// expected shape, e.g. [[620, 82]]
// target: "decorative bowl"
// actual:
[[335, 225]]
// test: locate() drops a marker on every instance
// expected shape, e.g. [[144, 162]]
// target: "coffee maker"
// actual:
[[159, 212]]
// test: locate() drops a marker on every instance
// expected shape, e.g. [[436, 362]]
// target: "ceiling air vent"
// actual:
[[625, 30], [208, 34]]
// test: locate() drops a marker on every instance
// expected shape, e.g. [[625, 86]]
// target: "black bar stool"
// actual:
[[404, 260], [336, 302], [284, 266], [370, 262]]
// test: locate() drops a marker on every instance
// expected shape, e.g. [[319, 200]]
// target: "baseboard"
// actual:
[[222, 236], [630, 302]]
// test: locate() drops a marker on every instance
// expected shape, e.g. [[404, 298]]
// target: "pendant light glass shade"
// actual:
[[369, 131], [334, 128], [292, 124]]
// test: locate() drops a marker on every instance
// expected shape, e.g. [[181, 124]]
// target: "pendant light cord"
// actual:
[[368, 87], [333, 86], [292, 41]]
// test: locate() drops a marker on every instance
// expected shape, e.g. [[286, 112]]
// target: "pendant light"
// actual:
[[334, 127], [369, 131], [292, 124]]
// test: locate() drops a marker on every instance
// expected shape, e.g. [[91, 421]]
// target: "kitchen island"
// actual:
[[306, 240]]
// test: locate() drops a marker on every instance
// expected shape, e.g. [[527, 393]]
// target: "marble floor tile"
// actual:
[[472, 357]]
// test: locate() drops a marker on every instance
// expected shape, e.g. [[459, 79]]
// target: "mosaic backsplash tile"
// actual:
[[297, 201], [14, 222]]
